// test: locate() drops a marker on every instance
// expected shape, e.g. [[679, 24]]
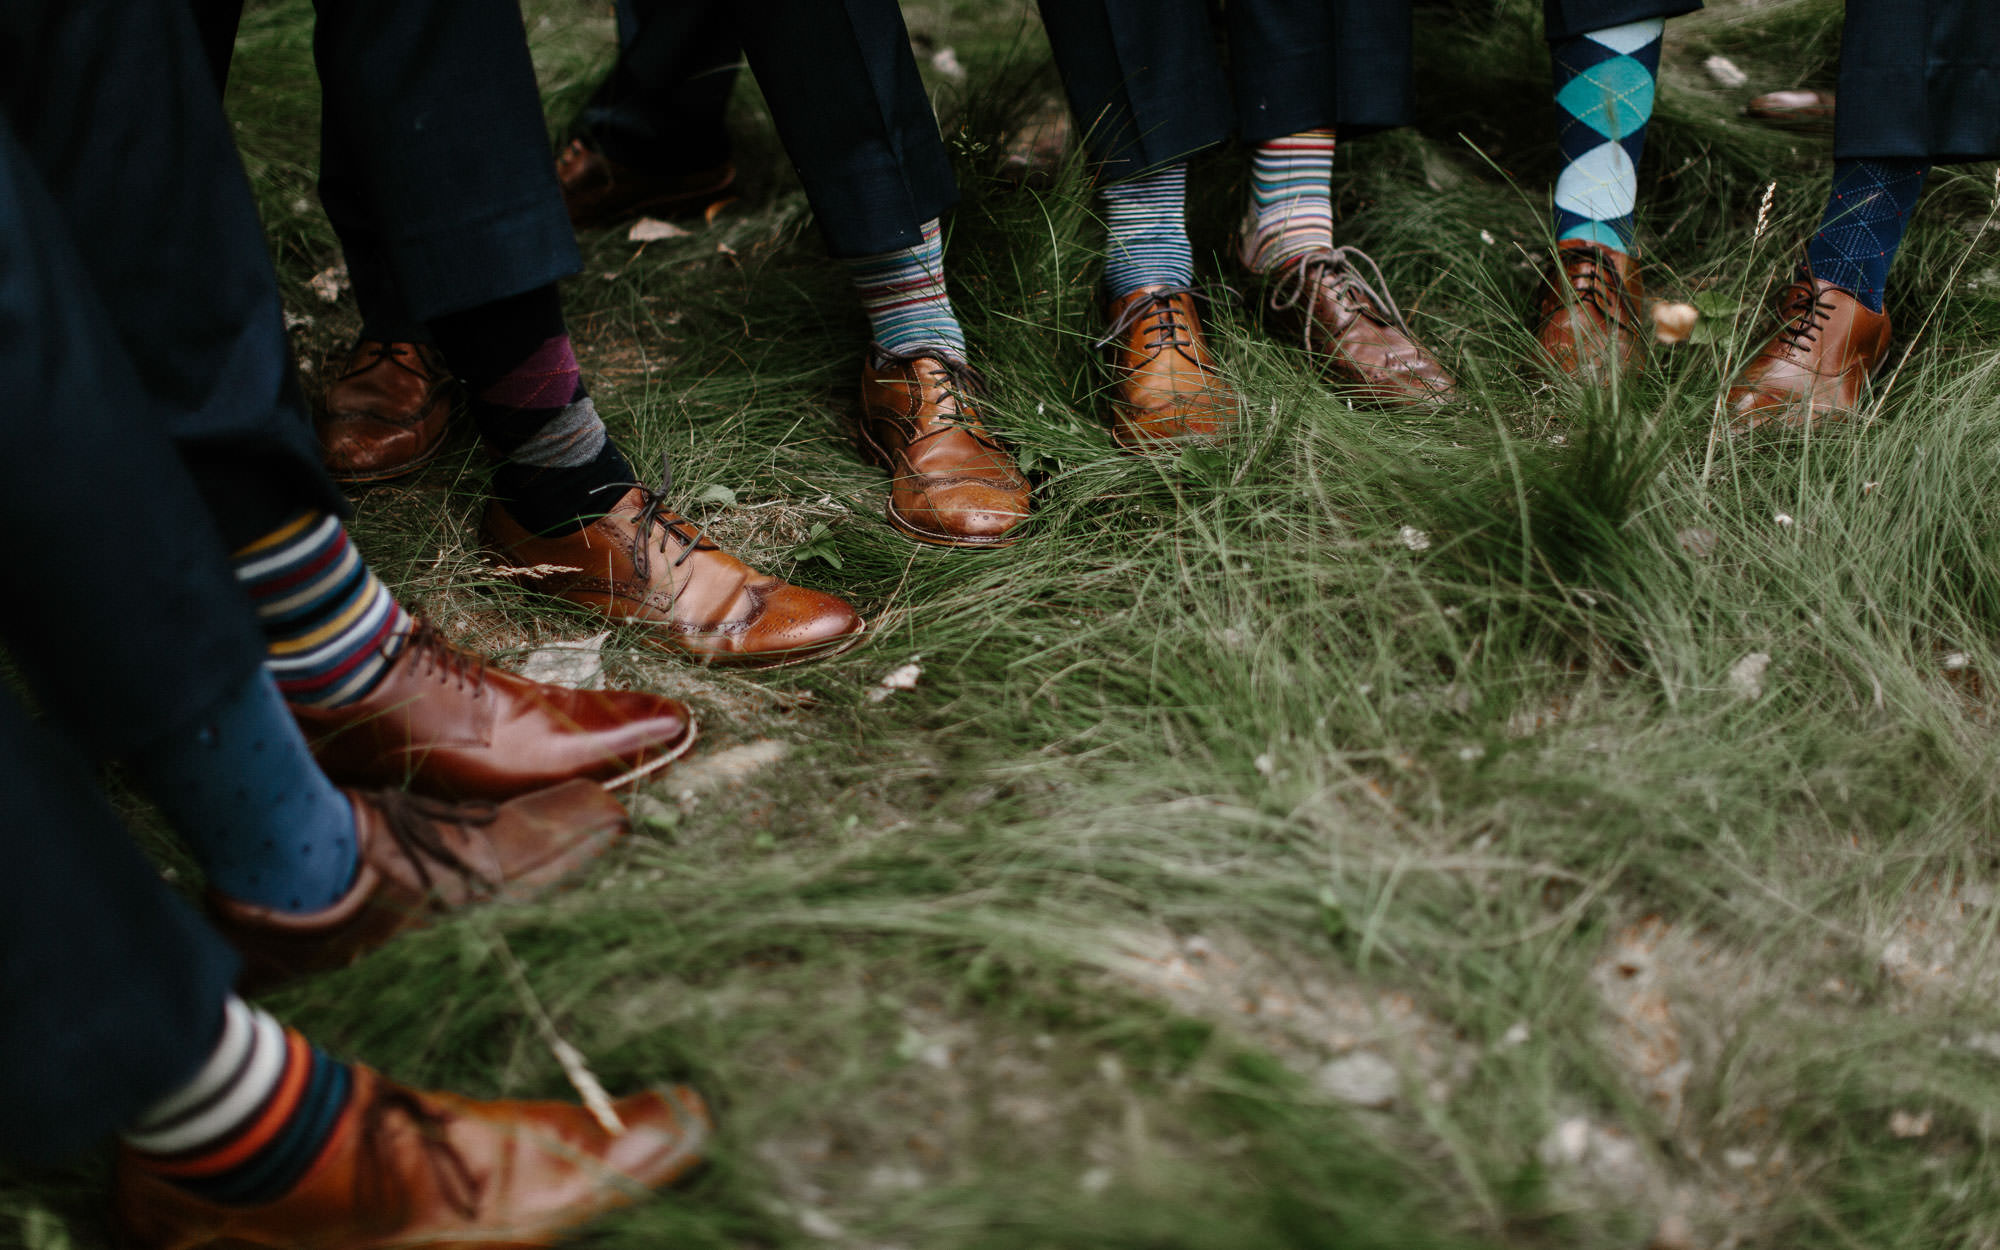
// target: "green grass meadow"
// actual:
[[1547, 822]]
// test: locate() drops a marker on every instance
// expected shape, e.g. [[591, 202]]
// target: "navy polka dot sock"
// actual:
[[241, 787], [1863, 225]]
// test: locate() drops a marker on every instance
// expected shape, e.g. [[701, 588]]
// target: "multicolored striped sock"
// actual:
[[1862, 227], [1604, 85], [903, 294], [1146, 243], [252, 1121], [1291, 199], [333, 628]]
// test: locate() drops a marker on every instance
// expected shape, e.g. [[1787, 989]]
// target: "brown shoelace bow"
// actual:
[[1167, 330], [962, 384], [1338, 273], [395, 354], [428, 649], [412, 821], [653, 511], [460, 1188]]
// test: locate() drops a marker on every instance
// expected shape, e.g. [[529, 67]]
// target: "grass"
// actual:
[[1407, 738]]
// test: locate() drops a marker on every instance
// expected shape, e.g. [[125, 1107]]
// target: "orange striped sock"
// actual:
[[252, 1120]]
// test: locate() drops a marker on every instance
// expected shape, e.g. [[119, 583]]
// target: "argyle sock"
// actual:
[[1291, 198], [562, 471], [1146, 244], [333, 628], [251, 1122], [1604, 84], [241, 787], [1863, 225], [903, 294]]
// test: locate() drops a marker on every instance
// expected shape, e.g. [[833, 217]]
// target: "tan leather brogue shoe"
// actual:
[[1164, 388], [1814, 368], [1349, 320], [599, 191], [951, 483], [406, 1169], [386, 413], [645, 564], [1589, 316], [442, 722], [420, 857]]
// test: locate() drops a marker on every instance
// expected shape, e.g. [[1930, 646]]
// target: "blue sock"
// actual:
[[1146, 219], [1604, 88], [242, 788], [1863, 224]]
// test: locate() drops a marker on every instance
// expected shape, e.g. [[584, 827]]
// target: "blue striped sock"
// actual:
[[252, 1121], [909, 311], [1604, 86], [332, 626], [1863, 225], [1145, 219]]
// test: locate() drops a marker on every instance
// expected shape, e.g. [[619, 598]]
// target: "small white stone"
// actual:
[[1746, 676], [1784, 519], [1095, 1180], [1956, 660], [1516, 1034], [1739, 1158], [1362, 1078], [1414, 538], [1724, 72], [1486, 237]]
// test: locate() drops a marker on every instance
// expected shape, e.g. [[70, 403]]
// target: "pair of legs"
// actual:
[[435, 174], [850, 108], [1922, 93], [120, 1013]]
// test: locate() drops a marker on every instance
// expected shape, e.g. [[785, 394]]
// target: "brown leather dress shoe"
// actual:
[[386, 413], [420, 857], [442, 723], [1813, 369], [951, 484], [1589, 318], [1799, 107], [1354, 327], [647, 565], [599, 191], [1165, 386], [407, 1169]]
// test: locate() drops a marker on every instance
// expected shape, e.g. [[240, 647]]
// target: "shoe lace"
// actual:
[[413, 820], [653, 511], [397, 354], [1337, 272], [1167, 327], [1806, 312], [428, 649], [959, 381], [456, 1182], [1585, 274]]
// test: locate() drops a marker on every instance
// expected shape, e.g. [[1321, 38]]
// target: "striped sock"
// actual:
[[252, 1121], [1291, 198], [333, 628], [1604, 87], [1145, 220], [903, 294], [1862, 227]]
